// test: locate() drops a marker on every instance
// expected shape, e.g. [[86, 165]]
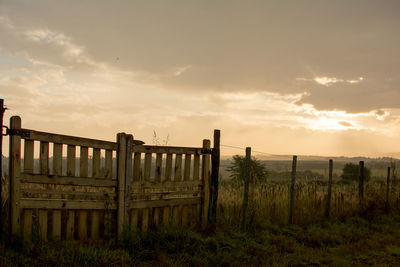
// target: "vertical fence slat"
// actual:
[[82, 224], [205, 201], [83, 172], [27, 225], [57, 159], [176, 218], [43, 224], [56, 224], [83, 162], [156, 217], [168, 167], [145, 219], [108, 165], [157, 173], [137, 166], [71, 154], [196, 167], [94, 227], [147, 166], [166, 213], [96, 163], [188, 159], [178, 168], [28, 156], [44, 157], [70, 225], [134, 218], [15, 170], [95, 215]]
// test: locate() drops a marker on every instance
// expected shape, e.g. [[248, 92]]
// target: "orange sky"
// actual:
[[284, 77]]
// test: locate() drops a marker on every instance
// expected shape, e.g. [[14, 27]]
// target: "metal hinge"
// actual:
[[206, 150], [21, 132]]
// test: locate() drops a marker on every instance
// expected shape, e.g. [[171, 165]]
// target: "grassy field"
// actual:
[[354, 241], [350, 237]]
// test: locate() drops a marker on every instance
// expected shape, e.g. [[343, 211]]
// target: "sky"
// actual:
[[309, 77]]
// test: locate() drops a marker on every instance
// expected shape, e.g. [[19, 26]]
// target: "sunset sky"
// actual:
[[284, 77]]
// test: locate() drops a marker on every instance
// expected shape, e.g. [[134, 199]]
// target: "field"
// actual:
[[352, 242], [370, 236]]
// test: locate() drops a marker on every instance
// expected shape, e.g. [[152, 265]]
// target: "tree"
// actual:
[[350, 173], [237, 170]]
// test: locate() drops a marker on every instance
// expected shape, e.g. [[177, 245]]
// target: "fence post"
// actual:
[[328, 203], [292, 185], [205, 201], [15, 170], [246, 187], [2, 216], [215, 160], [388, 188], [128, 176], [361, 186], [121, 174]]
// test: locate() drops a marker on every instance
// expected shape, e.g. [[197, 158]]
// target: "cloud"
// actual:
[[346, 124], [188, 67], [327, 81], [241, 47]]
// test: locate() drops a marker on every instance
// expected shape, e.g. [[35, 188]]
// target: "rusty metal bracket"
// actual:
[[21, 132], [206, 151], [138, 142]]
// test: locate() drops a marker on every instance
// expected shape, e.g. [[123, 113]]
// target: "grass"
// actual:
[[270, 201], [354, 242], [345, 239]]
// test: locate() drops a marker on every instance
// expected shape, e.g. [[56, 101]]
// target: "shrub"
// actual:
[[350, 173]]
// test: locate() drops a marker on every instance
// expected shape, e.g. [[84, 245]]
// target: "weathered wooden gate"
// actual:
[[81, 188]]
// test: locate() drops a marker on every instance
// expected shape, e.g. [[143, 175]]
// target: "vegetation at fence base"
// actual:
[[354, 242]]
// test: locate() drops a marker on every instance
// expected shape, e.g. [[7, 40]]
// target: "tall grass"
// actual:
[[269, 202]]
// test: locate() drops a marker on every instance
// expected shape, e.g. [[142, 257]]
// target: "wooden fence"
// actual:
[[84, 188]]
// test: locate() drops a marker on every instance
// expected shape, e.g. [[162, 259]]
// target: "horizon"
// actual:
[[285, 78]]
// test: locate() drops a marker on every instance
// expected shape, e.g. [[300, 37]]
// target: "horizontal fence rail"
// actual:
[[67, 187]]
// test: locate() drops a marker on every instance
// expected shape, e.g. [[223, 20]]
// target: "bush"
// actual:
[[350, 173], [237, 168]]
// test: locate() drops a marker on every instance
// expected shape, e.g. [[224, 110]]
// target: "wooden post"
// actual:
[[246, 187], [388, 188], [361, 186], [2, 216], [121, 171], [128, 175], [215, 160], [292, 187], [328, 202], [15, 169], [205, 201]]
